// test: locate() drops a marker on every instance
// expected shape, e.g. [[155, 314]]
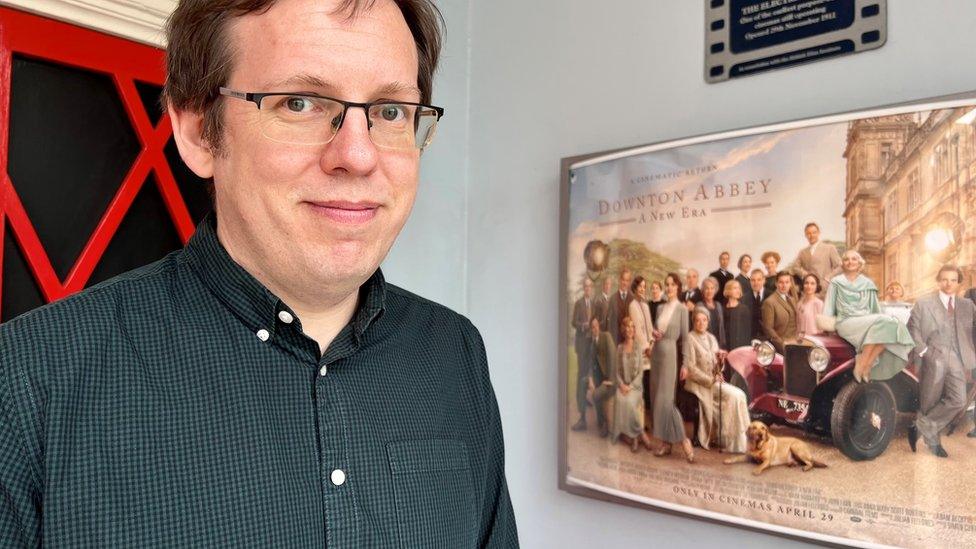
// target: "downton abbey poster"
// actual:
[[774, 327]]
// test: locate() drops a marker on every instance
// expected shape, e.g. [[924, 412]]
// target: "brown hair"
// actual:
[[674, 278], [949, 268], [767, 255], [199, 59]]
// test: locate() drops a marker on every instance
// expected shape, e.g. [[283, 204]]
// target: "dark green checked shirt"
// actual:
[[181, 405]]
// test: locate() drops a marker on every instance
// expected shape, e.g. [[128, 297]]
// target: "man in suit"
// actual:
[[601, 352], [753, 295], [692, 294], [779, 314], [601, 304], [819, 258], [723, 275], [620, 304], [971, 296], [582, 313], [745, 266], [941, 325]]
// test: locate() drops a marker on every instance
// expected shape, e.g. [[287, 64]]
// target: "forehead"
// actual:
[[949, 275], [309, 41]]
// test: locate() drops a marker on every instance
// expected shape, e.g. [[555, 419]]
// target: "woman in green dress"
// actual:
[[628, 400], [882, 343]]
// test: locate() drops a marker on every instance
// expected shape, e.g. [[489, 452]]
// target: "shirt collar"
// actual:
[[944, 298], [248, 299]]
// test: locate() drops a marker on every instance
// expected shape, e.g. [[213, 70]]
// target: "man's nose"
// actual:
[[351, 150]]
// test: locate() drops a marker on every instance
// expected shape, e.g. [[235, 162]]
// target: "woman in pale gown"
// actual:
[[703, 378], [640, 313], [882, 342], [628, 403], [671, 325]]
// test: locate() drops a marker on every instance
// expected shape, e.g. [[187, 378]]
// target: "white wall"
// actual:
[[555, 78]]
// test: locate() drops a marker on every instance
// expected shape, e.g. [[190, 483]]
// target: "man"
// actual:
[[819, 258], [582, 313], [971, 296], [723, 275], [779, 314], [745, 266], [941, 326], [600, 352], [601, 303], [265, 387], [753, 296], [692, 294], [620, 304]]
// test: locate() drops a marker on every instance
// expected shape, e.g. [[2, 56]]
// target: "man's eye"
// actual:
[[298, 104], [392, 113]]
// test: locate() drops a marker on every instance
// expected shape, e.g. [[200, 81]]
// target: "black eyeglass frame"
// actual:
[[257, 98]]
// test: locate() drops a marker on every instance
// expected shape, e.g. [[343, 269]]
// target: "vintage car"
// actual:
[[812, 387]]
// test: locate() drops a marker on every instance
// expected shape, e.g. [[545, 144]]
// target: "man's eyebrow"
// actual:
[[391, 89], [394, 88], [301, 79]]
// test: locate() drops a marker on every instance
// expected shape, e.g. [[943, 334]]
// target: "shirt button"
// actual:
[[323, 371], [338, 477], [263, 334], [285, 317]]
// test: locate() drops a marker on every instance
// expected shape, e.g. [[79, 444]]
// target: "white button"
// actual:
[[338, 477], [324, 370], [286, 317], [263, 334]]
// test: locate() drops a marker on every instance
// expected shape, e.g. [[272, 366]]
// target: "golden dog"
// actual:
[[767, 450]]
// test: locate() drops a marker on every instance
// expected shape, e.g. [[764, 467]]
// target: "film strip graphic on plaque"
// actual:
[[745, 37], [87, 163]]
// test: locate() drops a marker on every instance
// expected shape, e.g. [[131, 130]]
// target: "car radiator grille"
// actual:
[[798, 378]]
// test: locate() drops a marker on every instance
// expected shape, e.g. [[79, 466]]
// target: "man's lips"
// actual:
[[345, 212]]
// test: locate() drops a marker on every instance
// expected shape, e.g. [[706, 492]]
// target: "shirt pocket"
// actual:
[[433, 493]]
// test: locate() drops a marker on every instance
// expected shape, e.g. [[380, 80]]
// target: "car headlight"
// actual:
[[765, 353], [818, 359]]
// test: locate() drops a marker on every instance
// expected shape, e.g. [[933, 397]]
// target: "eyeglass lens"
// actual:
[[305, 120]]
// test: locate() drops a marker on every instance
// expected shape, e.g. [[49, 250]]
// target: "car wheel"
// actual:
[[863, 419]]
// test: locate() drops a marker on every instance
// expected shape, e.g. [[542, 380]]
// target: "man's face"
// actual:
[[587, 288], [949, 282], [691, 280], [813, 234], [595, 328], [607, 285], [308, 216], [757, 281], [783, 284], [624, 282], [723, 261]]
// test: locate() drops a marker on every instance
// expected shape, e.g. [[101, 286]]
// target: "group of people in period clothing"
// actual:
[[628, 342]]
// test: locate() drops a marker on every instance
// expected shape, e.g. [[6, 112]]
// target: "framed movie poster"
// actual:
[[774, 327]]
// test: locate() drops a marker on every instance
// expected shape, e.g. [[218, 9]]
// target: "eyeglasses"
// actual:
[[306, 119]]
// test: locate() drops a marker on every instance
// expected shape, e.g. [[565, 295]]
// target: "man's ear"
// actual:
[[188, 133]]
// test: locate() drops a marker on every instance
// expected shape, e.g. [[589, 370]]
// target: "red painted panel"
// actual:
[[125, 61]]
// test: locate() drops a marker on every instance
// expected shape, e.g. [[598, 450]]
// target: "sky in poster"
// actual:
[[744, 195]]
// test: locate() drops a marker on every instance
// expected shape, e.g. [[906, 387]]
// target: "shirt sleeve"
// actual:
[[497, 528], [20, 508]]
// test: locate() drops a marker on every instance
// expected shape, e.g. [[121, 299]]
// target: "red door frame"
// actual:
[[125, 62]]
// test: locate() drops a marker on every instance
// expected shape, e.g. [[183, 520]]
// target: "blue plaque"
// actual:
[[744, 37]]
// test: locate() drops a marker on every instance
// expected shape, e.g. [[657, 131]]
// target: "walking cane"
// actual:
[[721, 372]]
